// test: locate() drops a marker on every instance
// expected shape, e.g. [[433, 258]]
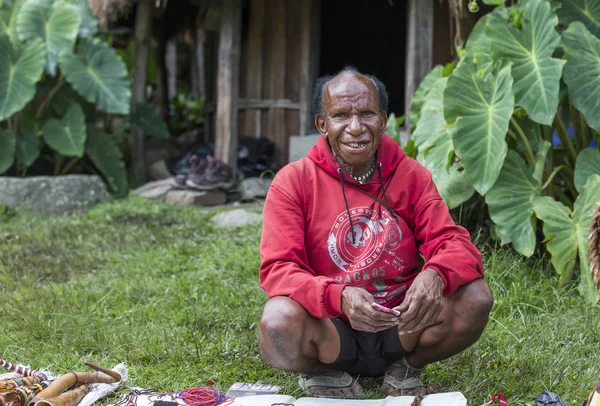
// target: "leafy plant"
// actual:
[[188, 113], [517, 121], [56, 76]]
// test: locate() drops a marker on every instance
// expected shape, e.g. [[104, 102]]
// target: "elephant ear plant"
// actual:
[[57, 76], [517, 121]]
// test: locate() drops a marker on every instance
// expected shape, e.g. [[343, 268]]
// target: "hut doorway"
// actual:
[[369, 35]]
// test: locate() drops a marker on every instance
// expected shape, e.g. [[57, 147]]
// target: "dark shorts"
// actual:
[[366, 354]]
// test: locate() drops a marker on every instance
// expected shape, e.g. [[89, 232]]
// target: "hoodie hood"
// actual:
[[388, 153]]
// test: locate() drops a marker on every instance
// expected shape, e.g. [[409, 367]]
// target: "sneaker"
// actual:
[[197, 167], [217, 175]]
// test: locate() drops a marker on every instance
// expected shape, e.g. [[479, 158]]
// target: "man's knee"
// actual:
[[281, 331], [475, 307]]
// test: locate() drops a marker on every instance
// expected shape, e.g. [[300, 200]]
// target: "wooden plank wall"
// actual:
[[273, 62]]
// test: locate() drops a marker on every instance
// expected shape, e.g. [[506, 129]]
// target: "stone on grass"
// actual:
[[155, 190], [236, 218], [53, 195], [254, 188], [196, 197]]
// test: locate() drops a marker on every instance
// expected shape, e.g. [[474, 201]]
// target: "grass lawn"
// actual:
[[159, 288]]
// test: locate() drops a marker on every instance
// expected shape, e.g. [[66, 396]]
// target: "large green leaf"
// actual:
[[8, 20], [586, 11], [57, 24], [28, 147], [99, 75], [566, 233], [536, 74], [419, 97], [68, 135], [4, 21], [434, 139], [479, 47], [582, 71], [481, 102], [147, 117], [106, 156], [510, 203], [19, 72], [7, 149], [89, 23], [587, 164]]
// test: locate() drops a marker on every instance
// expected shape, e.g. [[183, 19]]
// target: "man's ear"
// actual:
[[320, 124], [384, 117]]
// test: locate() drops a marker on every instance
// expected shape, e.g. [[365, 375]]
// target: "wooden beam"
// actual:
[[254, 71], [228, 83], [259, 104], [419, 44], [143, 31]]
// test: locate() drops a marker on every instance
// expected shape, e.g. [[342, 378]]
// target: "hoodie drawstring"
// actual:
[[387, 205], [384, 203], [347, 208]]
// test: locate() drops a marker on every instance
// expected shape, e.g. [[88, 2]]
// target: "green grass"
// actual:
[[159, 288]]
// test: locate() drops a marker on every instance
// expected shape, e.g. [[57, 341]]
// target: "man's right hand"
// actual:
[[356, 305]]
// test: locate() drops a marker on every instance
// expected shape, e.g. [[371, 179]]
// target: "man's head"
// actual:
[[350, 111]]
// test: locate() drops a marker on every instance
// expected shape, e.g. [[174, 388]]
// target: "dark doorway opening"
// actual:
[[369, 35]]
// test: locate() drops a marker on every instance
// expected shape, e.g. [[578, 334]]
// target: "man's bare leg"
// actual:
[[461, 323], [292, 340]]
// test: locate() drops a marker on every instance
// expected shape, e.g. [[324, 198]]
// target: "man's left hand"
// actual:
[[423, 302]]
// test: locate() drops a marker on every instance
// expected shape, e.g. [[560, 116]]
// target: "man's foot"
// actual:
[[331, 384], [401, 379]]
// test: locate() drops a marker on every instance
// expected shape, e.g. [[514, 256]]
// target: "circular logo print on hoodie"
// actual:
[[356, 247]]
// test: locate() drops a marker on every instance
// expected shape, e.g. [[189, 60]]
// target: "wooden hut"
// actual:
[[275, 50], [258, 59]]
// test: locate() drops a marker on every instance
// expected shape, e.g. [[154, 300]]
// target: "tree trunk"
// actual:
[[162, 90], [228, 83], [143, 28]]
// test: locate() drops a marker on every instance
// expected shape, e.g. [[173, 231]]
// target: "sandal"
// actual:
[[408, 385], [330, 385]]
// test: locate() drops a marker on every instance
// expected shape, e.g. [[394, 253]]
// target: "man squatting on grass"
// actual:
[[358, 222]]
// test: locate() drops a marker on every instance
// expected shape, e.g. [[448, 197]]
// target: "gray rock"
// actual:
[[53, 195], [254, 188], [155, 190], [196, 198], [236, 218]]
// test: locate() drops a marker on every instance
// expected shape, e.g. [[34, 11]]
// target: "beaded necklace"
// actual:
[[361, 179]]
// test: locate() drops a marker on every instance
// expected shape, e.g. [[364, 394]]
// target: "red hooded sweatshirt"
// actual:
[[313, 244]]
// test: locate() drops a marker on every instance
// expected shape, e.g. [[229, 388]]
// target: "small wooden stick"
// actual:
[[115, 375]]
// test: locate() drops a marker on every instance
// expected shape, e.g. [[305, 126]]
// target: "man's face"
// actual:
[[353, 123]]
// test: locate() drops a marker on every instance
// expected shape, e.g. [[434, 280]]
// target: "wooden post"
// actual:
[[314, 61], [199, 51], [171, 62], [305, 85], [254, 71], [228, 83], [274, 77], [143, 29], [419, 55]]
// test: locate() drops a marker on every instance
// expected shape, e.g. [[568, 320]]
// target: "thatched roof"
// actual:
[[594, 252]]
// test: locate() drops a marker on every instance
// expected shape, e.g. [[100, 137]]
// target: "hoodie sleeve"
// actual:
[[447, 247], [284, 269]]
